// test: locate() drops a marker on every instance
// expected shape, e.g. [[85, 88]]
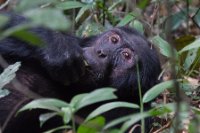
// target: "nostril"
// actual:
[[101, 54]]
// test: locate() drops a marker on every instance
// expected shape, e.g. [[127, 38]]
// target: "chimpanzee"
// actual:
[[67, 65]]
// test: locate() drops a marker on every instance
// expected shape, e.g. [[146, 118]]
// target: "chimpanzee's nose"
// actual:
[[101, 53]]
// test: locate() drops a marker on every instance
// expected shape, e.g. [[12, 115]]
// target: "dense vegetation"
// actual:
[[172, 26]]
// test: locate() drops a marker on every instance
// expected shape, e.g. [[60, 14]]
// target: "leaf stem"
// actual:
[[140, 96]]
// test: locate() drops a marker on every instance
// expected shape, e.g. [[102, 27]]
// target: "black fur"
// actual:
[[58, 69]]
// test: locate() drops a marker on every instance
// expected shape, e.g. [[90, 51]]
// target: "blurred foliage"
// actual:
[[172, 26]]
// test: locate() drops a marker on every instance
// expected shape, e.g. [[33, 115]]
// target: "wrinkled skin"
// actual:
[[68, 65]]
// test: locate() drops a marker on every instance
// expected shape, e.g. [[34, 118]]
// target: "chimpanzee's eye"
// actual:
[[114, 38]]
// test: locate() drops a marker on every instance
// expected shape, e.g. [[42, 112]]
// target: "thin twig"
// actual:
[[4, 4], [163, 128], [13, 112]]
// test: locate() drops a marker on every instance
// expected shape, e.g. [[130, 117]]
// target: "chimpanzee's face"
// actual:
[[112, 58]]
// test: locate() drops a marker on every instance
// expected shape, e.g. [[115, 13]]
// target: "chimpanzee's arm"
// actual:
[[60, 54]]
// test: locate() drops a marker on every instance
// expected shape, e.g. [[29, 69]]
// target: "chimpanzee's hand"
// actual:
[[63, 60]]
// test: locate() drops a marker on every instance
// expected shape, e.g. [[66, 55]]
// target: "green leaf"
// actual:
[[197, 18], [97, 96], [109, 106], [23, 5], [175, 20], [117, 121], [44, 117], [8, 74], [45, 103], [82, 11], [195, 44], [165, 48], [87, 1], [92, 126], [191, 56], [77, 99], [157, 89], [58, 128], [89, 28], [4, 92], [134, 118], [128, 18], [66, 114], [28, 37], [143, 3], [137, 25], [13, 30], [69, 5], [162, 109], [3, 20], [50, 18]]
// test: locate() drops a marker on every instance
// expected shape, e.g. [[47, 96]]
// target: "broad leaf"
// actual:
[[109, 106], [164, 46], [87, 1], [8, 74], [23, 5], [4, 92], [45, 103], [128, 18], [69, 5], [195, 44], [97, 96], [51, 18], [117, 121], [191, 56], [82, 11], [29, 37], [157, 89], [92, 126], [44, 117], [138, 26], [58, 128], [3, 20], [67, 113], [77, 99], [134, 118]]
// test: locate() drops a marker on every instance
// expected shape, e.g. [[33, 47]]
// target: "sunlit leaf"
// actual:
[[69, 5], [8, 74], [51, 18], [28, 37], [87, 1], [137, 25], [128, 18], [92, 126], [134, 118], [44, 117], [117, 121], [197, 17], [142, 3], [98, 95], [3, 20], [191, 56], [157, 89], [76, 99], [66, 114], [89, 29], [45, 103], [23, 5], [109, 106], [58, 128], [4, 92], [164, 46], [82, 11], [195, 44]]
